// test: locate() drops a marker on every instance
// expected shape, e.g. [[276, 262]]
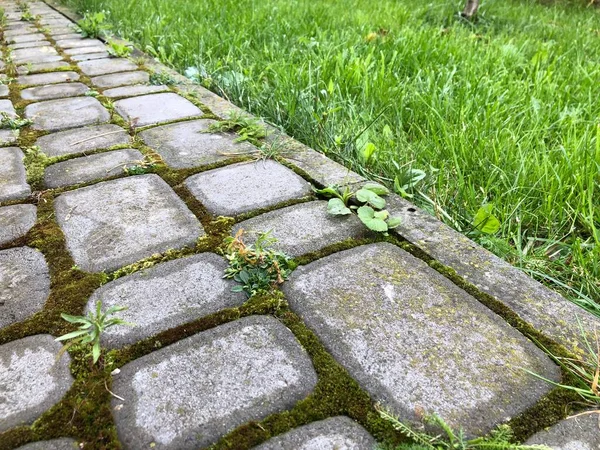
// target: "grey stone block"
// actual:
[[47, 78], [133, 91], [91, 168], [55, 115], [7, 107], [53, 91], [189, 394], [339, 432], [55, 444], [241, 188], [20, 37], [115, 223], [578, 433], [121, 79], [544, 309], [33, 52], [33, 379], [83, 140], [85, 50], [13, 184], [77, 42], [32, 68], [89, 56], [16, 221], [38, 59], [166, 296], [413, 339], [187, 144], [105, 66], [24, 284], [4, 91], [29, 45], [304, 228], [8, 137], [156, 108]]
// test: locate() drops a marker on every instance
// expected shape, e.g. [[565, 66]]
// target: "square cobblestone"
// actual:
[[156, 108], [54, 115]]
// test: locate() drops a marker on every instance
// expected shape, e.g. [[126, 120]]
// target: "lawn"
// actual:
[[457, 115]]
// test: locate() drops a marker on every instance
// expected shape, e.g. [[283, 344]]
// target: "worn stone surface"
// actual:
[[38, 59], [132, 91], [241, 188], [24, 284], [304, 228], [81, 140], [167, 295], [4, 91], [105, 66], [78, 41], [340, 433], [121, 79], [27, 30], [188, 144], [115, 223], [544, 309], [32, 379], [53, 91], [27, 54], [32, 68], [90, 168], [414, 340], [8, 137], [29, 44], [89, 56], [18, 38], [47, 78], [7, 107], [16, 221], [84, 50], [13, 184], [156, 108], [54, 444], [55, 115], [191, 393], [578, 433]]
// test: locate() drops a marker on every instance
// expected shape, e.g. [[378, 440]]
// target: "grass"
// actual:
[[503, 111]]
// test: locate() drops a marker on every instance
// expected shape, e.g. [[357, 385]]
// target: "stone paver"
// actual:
[[91, 168], [24, 284], [77, 42], [81, 140], [55, 115], [30, 54], [53, 91], [29, 44], [191, 393], [188, 144], [55, 444], [4, 90], [244, 187], [18, 38], [339, 433], [156, 108], [105, 66], [32, 68], [9, 35], [32, 379], [577, 433], [167, 295], [89, 56], [132, 91], [7, 107], [115, 223], [121, 79], [47, 78], [8, 137], [16, 221], [84, 50], [414, 340], [13, 184], [304, 228], [38, 59]]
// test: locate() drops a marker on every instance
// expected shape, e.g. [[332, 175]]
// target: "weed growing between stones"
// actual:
[[118, 50], [248, 128], [35, 163], [499, 439], [257, 267], [13, 122], [161, 78], [370, 208], [93, 25]]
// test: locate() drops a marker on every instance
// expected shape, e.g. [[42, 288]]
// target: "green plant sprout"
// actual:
[[93, 24], [118, 50], [499, 439], [369, 205], [28, 17], [14, 122], [161, 78], [91, 328], [257, 267], [248, 128]]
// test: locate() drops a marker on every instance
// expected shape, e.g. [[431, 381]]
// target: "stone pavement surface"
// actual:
[[113, 193]]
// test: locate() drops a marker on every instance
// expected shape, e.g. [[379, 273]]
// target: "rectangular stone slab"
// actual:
[[91, 168], [82, 140], [8, 137], [90, 56], [47, 78], [121, 79], [77, 42], [13, 183], [155, 108], [53, 91], [62, 114], [32, 68], [104, 66], [16, 221], [133, 91], [115, 223], [191, 393], [414, 340], [85, 50]]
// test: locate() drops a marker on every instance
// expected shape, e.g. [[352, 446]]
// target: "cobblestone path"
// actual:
[[117, 191]]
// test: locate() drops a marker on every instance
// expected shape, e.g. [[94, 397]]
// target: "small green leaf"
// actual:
[[336, 207], [329, 191], [377, 188], [381, 214], [367, 216], [393, 222], [368, 151], [96, 351], [71, 335], [371, 198], [485, 221]]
